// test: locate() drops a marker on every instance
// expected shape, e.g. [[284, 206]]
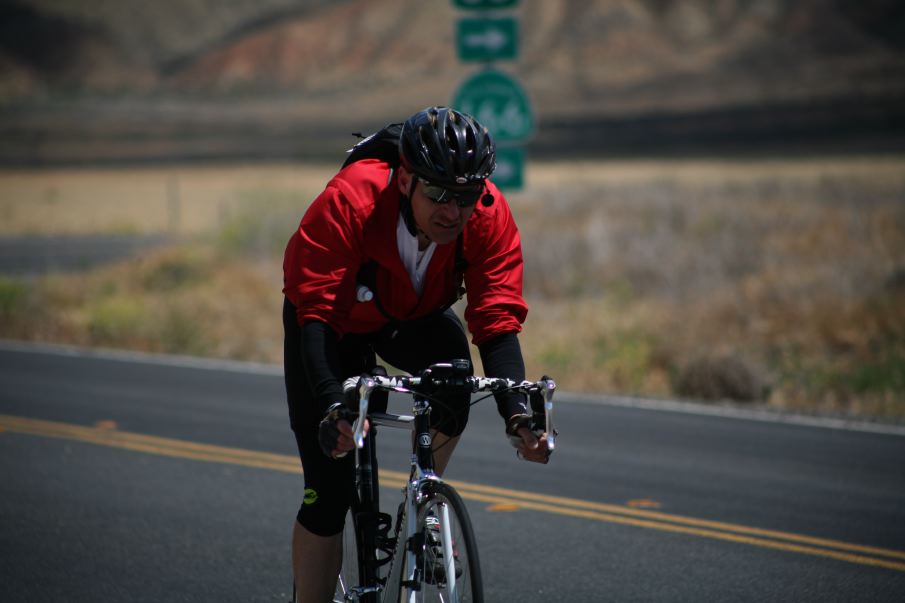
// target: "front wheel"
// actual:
[[448, 557]]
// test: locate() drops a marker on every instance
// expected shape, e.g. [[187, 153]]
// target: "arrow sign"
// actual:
[[487, 39], [491, 39]]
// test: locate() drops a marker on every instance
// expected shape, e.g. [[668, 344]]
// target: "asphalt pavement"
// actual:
[[144, 478]]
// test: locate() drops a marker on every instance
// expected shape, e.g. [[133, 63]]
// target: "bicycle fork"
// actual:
[[448, 557], [419, 492]]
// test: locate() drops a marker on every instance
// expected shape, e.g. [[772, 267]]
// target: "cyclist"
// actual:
[[373, 269]]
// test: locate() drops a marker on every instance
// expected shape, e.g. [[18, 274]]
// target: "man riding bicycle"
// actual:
[[373, 268]]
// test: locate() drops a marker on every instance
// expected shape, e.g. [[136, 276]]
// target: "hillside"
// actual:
[[278, 78]]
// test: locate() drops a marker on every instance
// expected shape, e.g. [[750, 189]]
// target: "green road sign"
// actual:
[[487, 39], [510, 168], [484, 4], [498, 102]]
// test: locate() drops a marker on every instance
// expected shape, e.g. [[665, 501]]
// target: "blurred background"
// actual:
[[713, 205]]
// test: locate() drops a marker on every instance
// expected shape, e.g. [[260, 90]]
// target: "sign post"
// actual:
[[491, 96]]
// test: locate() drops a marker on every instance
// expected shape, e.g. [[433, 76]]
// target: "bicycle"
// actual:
[[429, 553]]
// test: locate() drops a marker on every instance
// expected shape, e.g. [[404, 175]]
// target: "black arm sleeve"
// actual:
[[502, 357], [320, 357]]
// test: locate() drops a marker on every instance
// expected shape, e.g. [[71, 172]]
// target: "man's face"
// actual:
[[440, 222]]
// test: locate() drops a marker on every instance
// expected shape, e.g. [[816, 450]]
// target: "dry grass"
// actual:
[[781, 281], [769, 280], [187, 300]]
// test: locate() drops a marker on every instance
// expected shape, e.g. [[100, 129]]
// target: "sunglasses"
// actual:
[[442, 196]]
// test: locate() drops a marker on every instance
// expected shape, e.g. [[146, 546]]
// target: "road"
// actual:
[[140, 478], [28, 255]]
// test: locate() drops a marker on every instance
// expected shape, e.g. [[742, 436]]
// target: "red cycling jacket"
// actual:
[[353, 223]]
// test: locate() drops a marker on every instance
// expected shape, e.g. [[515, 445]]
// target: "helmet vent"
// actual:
[[444, 146]]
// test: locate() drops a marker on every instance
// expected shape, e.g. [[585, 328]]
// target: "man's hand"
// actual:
[[529, 446], [335, 434]]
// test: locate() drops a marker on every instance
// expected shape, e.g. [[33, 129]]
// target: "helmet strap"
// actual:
[[405, 207]]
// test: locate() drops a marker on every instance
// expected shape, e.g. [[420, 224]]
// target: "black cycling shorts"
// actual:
[[409, 347]]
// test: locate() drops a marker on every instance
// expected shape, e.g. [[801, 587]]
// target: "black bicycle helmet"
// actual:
[[447, 147]]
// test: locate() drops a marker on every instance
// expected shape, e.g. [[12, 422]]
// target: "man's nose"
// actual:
[[450, 210]]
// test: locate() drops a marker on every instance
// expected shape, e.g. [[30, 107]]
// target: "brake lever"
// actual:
[[549, 386], [542, 411], [366, 385]]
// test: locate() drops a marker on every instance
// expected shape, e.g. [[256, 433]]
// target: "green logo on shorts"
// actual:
[[310, 496]]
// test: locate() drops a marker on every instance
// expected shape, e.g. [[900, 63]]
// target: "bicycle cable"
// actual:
[[453, 413], [470, 404]]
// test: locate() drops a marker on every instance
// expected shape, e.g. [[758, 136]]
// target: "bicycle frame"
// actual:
[[371, 531], [367, 505]]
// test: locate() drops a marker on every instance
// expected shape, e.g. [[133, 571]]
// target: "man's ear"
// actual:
[[404, 180]]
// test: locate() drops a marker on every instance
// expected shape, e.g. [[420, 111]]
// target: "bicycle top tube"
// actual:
[[443, 377]]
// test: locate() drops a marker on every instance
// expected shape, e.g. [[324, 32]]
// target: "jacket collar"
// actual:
[[380, 239]]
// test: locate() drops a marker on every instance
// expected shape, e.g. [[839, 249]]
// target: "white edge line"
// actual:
[[722, 410], [733, 411]]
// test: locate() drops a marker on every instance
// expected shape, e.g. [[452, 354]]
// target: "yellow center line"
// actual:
[[150, 444], [559, 505], [559, 501]]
